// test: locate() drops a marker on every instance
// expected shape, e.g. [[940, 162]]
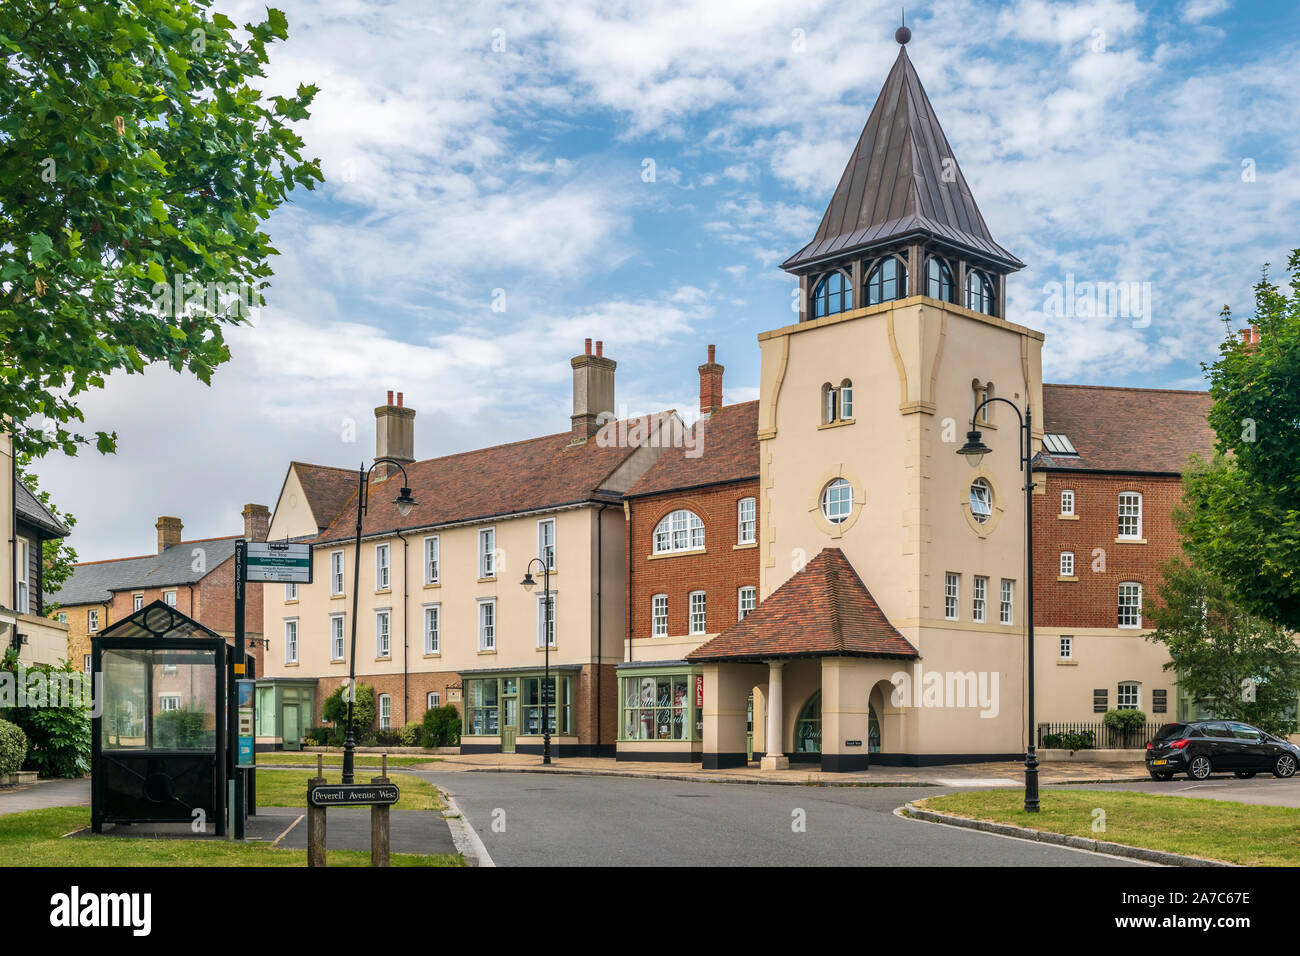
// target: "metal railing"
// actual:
[[1094, 736]]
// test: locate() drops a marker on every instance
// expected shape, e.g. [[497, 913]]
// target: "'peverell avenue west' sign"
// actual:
[[354, 795]]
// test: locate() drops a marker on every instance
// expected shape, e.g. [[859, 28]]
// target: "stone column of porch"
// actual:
[[775, 758]]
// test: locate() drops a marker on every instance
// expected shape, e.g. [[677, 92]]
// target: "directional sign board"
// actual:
[[279, 561], [354, 795]]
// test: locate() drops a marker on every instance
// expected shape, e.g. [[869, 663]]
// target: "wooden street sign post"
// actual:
[[379, 795]]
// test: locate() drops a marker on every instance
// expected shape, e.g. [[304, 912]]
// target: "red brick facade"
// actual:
[[720, 570], [1101, 562]]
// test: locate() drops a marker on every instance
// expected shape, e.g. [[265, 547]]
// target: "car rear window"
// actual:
[[1170, 731]]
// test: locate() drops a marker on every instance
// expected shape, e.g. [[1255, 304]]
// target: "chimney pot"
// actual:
[[600, 347], [390, 397], [586, 344], [399, 399], [712, 353], [710, 385]]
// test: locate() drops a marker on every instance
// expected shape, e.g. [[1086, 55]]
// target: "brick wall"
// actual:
[[720, 570], [418, 687], [78, 635], [1101, 563]]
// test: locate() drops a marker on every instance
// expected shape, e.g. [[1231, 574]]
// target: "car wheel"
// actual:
[[1244, 774], [1285, 766], [1199, 768]]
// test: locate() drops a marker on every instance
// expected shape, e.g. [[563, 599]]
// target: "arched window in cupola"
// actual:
[[938, 280], [833, 293], [979, 292], [886, 281]]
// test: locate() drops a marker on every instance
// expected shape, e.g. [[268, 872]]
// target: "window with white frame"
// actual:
[[981, 500], [980, 598], [746, 601], [169, 598], [1067, 647], [433, 629], [290, 592], [1007, 604], [336, 637], [697, 615], [431, 559], [837, 501], [92, 620], [1128, 695], [86, 663], [291, 641], [746, 521], [487, 625], [433, 699], [1130, 604], [383, 639], [1067, 564], [168, 702], [487, 552], [24, 561], [545, 620], [680, 531], [381, 567], [385, 712], [336, 572], [546, 542], [659, 615], [846, 400], [951, 596], [1130, 515], [137, 602], [1067, 502]]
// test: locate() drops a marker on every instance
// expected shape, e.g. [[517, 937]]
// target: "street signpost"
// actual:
[[354, 795], [279, 561]]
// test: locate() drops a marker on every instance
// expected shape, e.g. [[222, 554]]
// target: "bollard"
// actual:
[[379, 822], [316, 819]]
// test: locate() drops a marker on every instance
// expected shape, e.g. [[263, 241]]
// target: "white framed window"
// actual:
[[698, 618], [336, 573], [951, 596], [431, 559], [137, 602], [385, 712], [432, 699], [659, 615], [546, 542], [846, 400], [1067, 647], [1130, 604], [381, 567], [487, 552], [981, 500], [291, 641], [290, 591], [837, 501], [831, 403], [336, 637], [1067, 502], [680, 531], [980, 593], [1007, 604], [1130, 515], [169, 598], [86, 663], [168, 702], [24, 563], [746, 601], [1067, 564], [383, 638], [546, 620], [487, 625], [1128, 695], [746, 521], [432, 629], [92, 620]]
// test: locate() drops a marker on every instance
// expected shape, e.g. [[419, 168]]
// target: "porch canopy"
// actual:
[[824, 611]]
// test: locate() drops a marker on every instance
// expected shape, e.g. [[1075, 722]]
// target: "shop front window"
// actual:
[[481, 709], [659, 707], [873, 731], [535, 705], [808, 728]]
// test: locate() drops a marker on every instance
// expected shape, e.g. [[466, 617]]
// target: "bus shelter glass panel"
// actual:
[[160, 700]]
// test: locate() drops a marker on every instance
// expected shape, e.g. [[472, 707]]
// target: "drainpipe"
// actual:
[[627, 578], [406, 696], [600, 614]]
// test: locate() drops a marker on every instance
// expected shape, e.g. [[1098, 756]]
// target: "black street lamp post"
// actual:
[[547, 624], [975, 449], [404, 502]]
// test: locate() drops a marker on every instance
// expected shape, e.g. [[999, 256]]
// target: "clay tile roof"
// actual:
[[327, 489], [1149, 430], [825, 611], [522, 476], [722, 448]]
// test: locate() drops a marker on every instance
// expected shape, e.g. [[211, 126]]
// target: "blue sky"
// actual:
[[471, 148]]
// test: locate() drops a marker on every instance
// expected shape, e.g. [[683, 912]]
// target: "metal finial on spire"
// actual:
[[903, 34]]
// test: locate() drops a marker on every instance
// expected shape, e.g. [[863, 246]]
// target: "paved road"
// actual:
[[1263, 790], [46, 793], [562, 820]]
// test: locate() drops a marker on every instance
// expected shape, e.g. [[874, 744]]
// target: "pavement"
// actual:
[[46, 793]]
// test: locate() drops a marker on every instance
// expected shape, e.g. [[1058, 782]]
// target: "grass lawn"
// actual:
[[34, 838], [1216, 829], [288, 788], [368, 761]]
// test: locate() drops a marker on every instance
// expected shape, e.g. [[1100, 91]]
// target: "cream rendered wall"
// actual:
[[912, 364], [1102, 657], [292, 517]]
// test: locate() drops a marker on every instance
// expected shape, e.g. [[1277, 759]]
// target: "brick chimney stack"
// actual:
[[257, 522], [711, 385], [169, 532], [593, 390], [395, 430], [1250, 338]]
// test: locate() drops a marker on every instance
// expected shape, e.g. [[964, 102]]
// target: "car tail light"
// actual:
[[1179, 744]]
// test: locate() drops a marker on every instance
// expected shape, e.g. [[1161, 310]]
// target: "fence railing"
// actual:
[[1094, 736]]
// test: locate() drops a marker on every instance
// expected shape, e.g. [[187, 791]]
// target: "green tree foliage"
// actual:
[[57, 554], [13, 747], [137, 157], [1243, 516], [441, 726], [335, 709], [58, 738], [1214, 644]]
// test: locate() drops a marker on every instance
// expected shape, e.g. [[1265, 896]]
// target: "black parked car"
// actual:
[[1202, 747]]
